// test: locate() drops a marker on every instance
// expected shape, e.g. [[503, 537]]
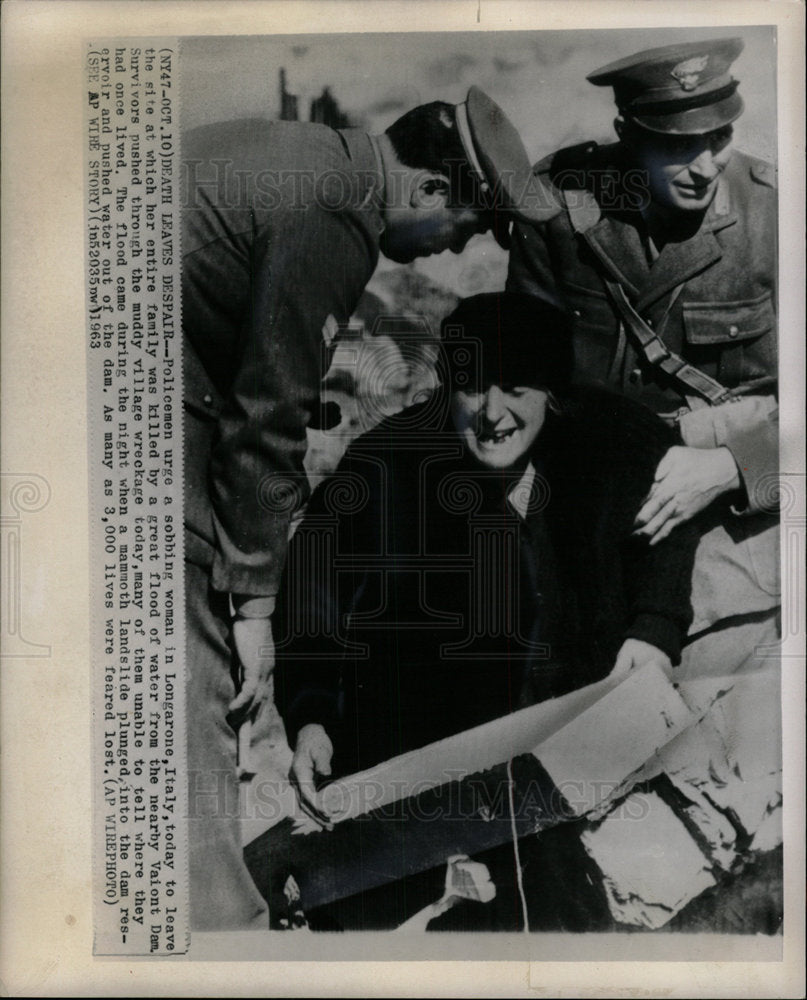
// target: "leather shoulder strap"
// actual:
[[656, 353]]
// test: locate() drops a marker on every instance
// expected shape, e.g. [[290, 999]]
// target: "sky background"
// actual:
[[539, 79]]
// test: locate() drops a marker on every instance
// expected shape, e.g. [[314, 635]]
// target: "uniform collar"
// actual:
[[618, 245], [585, 212], [363, 151]]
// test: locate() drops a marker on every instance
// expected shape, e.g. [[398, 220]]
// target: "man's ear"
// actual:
[[553, 404], [430, 191]]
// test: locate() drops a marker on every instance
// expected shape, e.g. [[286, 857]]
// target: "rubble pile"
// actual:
[[709, 801]]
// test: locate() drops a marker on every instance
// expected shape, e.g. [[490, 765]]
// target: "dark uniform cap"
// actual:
[[499, 160], [681, 89]]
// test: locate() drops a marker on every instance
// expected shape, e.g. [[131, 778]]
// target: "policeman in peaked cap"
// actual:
[[664, 257], [482, 179], [270, 271], [676, 106]]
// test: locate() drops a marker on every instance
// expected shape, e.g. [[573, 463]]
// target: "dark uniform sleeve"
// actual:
[[529, 269], [307, 265]]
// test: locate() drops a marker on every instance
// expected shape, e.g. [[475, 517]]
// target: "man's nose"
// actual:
[[704, 165], [494, 404]]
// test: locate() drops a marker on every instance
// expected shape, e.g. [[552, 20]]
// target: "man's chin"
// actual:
[[690, 199], [694, 201]]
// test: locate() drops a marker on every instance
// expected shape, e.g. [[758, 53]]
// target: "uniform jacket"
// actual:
[[711, 298], [280, 232], [420, 604]]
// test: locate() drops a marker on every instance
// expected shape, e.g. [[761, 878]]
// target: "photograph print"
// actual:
[[481, 470]]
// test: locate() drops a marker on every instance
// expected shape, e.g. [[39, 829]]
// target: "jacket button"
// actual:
[[733, 331], [577, 313], [635, 376], [649, 322], [207, 400]]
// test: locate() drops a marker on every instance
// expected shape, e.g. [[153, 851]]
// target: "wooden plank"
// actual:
[[410, 814], [269, 799], [405, 837], [459, 756]]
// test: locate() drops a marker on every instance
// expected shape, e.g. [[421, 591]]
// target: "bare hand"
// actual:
[[687, 480], [635, 654], [256, 653], [312, 757]]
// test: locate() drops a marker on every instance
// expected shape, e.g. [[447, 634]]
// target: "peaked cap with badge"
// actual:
[[684, 89]]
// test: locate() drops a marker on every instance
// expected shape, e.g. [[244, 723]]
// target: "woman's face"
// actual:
[[500, 425]]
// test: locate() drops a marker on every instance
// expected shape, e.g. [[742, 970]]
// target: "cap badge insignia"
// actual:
[[688, 73]]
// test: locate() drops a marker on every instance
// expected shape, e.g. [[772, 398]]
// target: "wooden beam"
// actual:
[[411, 813]]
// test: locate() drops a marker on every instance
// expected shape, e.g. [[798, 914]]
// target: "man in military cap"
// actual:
[[664, 255], [282, 227]]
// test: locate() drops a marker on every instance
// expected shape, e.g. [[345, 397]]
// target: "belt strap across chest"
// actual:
[[584, 212], [656, 353]]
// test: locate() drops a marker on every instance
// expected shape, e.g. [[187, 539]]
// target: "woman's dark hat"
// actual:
[[509, 339]]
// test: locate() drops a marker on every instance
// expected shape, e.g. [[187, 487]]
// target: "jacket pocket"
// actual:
[[737, 340]]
